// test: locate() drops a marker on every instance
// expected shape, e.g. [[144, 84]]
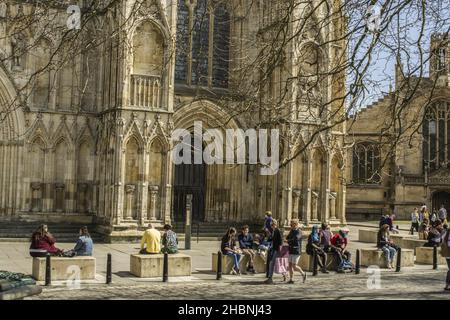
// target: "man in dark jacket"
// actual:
[[246, 245], [277, 242]]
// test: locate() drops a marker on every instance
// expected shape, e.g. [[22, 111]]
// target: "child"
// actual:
[[268, 222]]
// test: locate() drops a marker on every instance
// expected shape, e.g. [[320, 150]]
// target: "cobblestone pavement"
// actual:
[[405, 285], [419, 282]]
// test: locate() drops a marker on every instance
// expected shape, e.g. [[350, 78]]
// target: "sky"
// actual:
[[401, 33]]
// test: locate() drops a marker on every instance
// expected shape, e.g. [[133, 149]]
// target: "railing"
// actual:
[[145, 91], [413, 179]]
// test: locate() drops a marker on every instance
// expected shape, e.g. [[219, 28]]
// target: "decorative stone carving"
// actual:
[[153, 197], [129, 190], [314, 205], [332, 198], [18, 46]]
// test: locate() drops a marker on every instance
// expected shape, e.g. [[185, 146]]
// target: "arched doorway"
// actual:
[[441, 197], [189, 179]]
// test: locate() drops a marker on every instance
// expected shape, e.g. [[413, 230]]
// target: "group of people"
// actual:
[[429, 226], [322, 241], [283, 253], [43, 243], [153, 243]]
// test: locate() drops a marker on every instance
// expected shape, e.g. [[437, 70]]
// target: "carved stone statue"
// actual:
[[18, 45]]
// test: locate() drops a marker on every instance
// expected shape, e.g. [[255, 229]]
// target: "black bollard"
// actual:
[[166, 268], [48, 270], [109, 269], [219, 265], [435, 258], [358, 262], [399, 260], [315, 263], [268, 258]]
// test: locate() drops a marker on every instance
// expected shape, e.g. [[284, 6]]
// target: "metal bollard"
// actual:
[[109, 269], [399, 260], [435, 258], [166, 268], [48, 270], [268, 258], [315, 263], [358, 262], [219, 265]]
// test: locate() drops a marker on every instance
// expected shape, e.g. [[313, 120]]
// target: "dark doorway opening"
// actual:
[[189, 179], [441, 197]]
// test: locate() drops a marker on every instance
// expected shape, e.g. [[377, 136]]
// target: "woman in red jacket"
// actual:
[[42, 242]]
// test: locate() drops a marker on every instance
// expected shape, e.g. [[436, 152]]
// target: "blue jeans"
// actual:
[[236, 257], [389, 253], [274, 256], [448, 272]]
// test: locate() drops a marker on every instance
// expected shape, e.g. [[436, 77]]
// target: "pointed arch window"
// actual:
[[366, 163], [436, 136], [203, 37]]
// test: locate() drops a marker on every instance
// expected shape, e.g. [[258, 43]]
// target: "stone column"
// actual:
[[296, 193], [314, 205], [59, 204], [153, 203], [333, 197], [129, 189], [342, 205], [325, 215], [143, 212], [307, 194], [260, 201], [36, 197]]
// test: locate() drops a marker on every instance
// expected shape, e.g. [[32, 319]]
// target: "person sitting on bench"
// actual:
[[338, 244], [42, 243], [84, 243], [246, 244], [151, 241], [169, 240], [435, 234]]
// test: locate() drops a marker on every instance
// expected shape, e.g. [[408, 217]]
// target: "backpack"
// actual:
[[445, 250], [309, 247], [346, 265]]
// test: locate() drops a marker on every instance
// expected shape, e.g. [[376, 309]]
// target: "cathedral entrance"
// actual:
[[189, 179], [441, 197]]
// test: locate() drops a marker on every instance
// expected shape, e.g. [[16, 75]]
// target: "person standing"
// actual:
[[151, 241], [414, 221], [294, 239], [246, 245], [268, 222], [445, 253], [443, 214], [277, 242]]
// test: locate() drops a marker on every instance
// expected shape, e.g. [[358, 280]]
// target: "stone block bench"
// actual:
[[367, 235], [424, 255], [413, 243], [375, 256], [259, 264], [151, 265], [306, 262], [399, 239], [76, 268]]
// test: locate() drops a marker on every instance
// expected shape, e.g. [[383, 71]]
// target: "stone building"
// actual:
[[401, 154], [86, 137]]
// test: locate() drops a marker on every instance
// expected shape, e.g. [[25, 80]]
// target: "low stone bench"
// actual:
[[424, 255], [152, 265], [306, 262], [376, 257], [259, 264], [399, 239], [76, 268], [412, 243], [367, 235]]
